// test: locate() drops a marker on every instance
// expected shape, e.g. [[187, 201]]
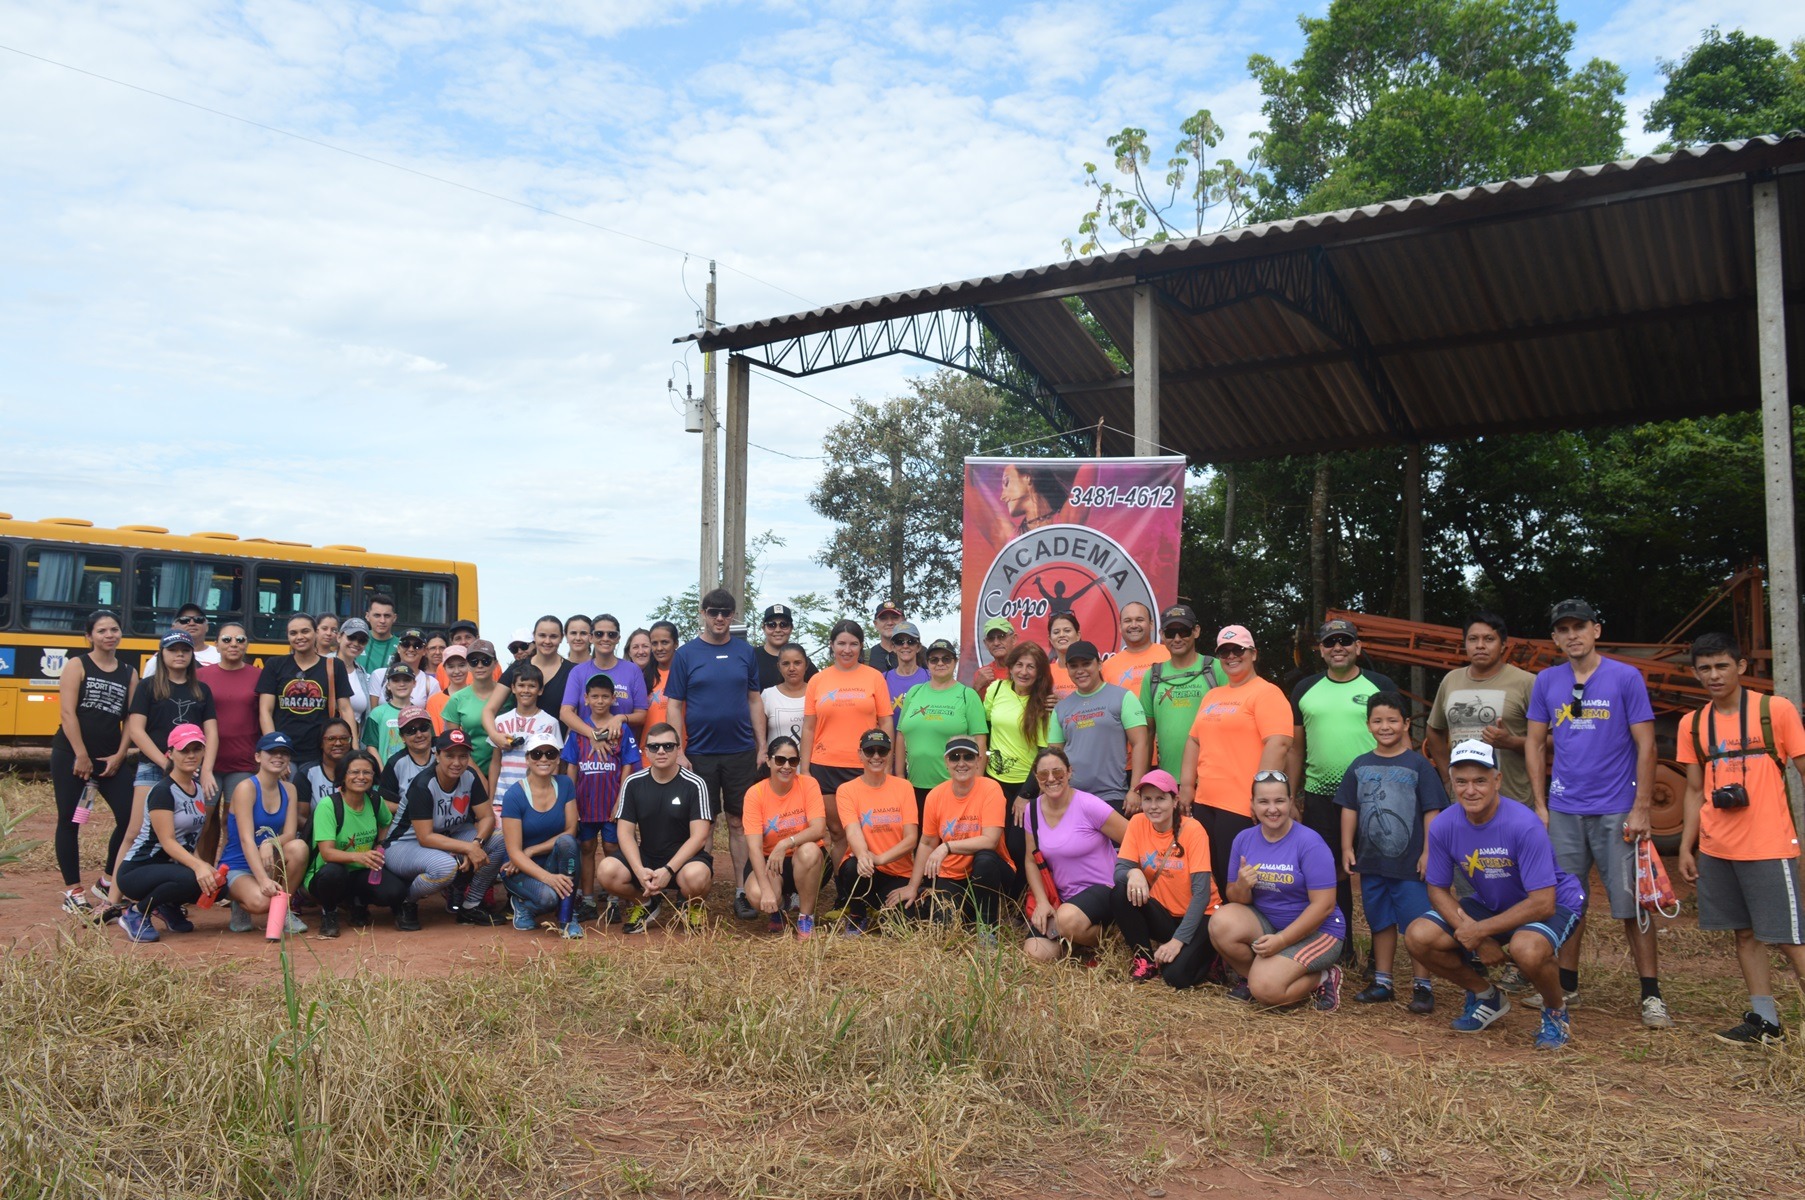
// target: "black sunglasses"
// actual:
[[231, 641], [479, 660], [784, 760], [661, 747], [873, 751], [1340, 639], [905, 640], [412, 644], [718, 612], [961, 755], [191, 620], [541, 754], [778, 625], [606, 633]]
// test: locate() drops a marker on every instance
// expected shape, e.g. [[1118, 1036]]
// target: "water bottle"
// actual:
[[567, 906], [376, 871], [278, 917], [219, 887], [85, 806]]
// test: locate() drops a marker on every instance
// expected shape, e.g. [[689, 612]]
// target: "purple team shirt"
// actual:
[[1077, 851], [629, 687], [1288, 868], [1594, 751], [1504, 859]]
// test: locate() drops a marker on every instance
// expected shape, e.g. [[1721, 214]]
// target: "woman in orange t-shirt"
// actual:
[[1062, 631], [784, 817], [1164, 891], [664, 648], [844, 699], [883, 823]]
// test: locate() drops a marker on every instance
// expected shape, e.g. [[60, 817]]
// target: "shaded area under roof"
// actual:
[[1608, 294]]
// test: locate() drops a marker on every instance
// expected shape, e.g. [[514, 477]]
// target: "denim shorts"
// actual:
[[149, 774]]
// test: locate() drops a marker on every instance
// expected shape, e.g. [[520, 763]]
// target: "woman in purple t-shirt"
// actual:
[[1279, 926], [1075, 834]]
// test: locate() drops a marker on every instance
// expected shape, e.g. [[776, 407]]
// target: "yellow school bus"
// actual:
[[55, 571]]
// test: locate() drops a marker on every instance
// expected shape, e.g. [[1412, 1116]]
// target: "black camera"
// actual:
[[1730, 795]]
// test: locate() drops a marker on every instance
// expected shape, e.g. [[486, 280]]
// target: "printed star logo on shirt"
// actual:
[[1472, 864], [1563, 714], [772, 824], [828, 697]]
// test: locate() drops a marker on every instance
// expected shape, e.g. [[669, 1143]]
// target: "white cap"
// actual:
[[538, 738], [1473, 751]]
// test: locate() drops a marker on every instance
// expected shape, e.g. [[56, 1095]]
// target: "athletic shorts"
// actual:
[[586, 831], [728, 776], [1318, 952], [1582, 841], [830, 779], [1758, 894], [787, 883], [1392, 903], [702, 856], [1557, 928], [235, 874]]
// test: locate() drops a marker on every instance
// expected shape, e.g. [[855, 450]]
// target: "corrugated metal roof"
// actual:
[[1610, 293]]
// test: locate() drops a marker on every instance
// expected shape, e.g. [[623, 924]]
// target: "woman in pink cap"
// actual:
[[1164, 892], [163, 868]]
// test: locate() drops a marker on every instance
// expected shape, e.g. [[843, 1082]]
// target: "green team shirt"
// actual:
[[465, 710], [359, 832], [1011, 754], [1333, 715], [382, 731], [1172, 706], [926, 717], [376, 655]]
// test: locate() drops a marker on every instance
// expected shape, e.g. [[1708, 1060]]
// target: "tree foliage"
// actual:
[[1729, 86], [814, 614], [1131, 208]]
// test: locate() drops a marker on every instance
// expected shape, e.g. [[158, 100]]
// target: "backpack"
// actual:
[[1206, 670], [1709, 713]]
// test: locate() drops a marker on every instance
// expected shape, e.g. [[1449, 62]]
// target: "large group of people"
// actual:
[[1221, 828]]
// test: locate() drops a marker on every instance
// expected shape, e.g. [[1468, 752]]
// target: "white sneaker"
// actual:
[[1534, 999], [294, 924], [242, 921], [1654, 1013]]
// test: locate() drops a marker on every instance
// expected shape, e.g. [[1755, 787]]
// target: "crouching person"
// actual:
[[539, 829], [448, 842], [346, 876], [1164, 894]]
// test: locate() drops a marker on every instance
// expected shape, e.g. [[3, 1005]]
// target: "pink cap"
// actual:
[[410, 714], [186, 735], [1162, 780], [1235, 635], [455, 650]]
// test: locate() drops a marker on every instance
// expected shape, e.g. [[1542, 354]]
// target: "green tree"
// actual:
[[1131, 209], [684, 609], [894, 487], [1729, 86], [1395, 98]]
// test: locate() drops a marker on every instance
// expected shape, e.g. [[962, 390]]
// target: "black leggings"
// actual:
[[157, 884], [335, 884], [980, 894], [860, 894], [1223, 827], [1144, 925], [115, 790]]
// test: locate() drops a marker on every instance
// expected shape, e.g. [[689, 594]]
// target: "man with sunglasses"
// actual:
[[779, 623], [234, 688], [1593, 716], [1171, 690], [882, 657], [1328, 733], [714, 705], [664, 823], [191, 619]]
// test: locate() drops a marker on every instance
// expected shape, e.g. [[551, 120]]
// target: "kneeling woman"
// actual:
[[1075, 834], [263, 854], [1281, 929], [961, 860], [883, 824], [161, 868], [539, 828], [1164, 892], [347, 825], [785, 822]]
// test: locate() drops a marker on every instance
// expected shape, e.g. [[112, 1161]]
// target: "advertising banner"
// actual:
[[1080, 535]]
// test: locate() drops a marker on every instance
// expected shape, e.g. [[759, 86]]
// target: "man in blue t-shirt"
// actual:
[[1592, 714], [716, 710], [1523, 905]]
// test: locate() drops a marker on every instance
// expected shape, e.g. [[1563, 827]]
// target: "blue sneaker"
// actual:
[[1556, 1030], [852, 927], [174, 919], [805, 928], [137, 926], [525, 919], [573, 930], [1478, 1014]]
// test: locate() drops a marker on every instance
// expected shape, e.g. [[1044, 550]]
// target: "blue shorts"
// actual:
[[1557, 928], [586, 831], [1393, 903], [149, 774]]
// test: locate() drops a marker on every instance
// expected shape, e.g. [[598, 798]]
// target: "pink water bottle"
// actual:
[[278, 916], [376, 871], [85, 806]]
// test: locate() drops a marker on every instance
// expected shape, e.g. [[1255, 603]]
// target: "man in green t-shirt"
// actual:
[[1171, 691], [380, 615]]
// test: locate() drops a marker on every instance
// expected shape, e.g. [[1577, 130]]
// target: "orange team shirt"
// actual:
[[774, 818], [881, 815], [845, 704], [1763, 829], [949, 819], [1062, 681], [1125, 668], [657, 707], [435, 708], [1231, 729], [1168, 862]]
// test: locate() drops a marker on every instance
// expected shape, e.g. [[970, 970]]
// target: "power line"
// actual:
[[395, 166], [782, 454], [774, 377]]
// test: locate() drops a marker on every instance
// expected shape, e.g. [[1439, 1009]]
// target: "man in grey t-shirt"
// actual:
[[1485, 701], [1103, 729]]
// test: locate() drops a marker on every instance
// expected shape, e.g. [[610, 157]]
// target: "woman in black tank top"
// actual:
[[95, 689]]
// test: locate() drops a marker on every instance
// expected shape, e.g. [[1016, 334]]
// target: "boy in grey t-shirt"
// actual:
[[1103, 729]]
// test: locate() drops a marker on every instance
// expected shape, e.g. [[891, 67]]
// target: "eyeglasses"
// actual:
[[479, 660], [661, 747], [1340, 639], [336, 738], [191, 619], [1231, 651], [785, 760], [543, 754], [961, 756], [232, 641], [905, 640], [718, 612], [1052, 774], [1272, 777]]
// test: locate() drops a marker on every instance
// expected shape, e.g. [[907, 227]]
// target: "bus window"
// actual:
[[419, 600], [284, 591], [63, 586], [6, 584], [161, 585]]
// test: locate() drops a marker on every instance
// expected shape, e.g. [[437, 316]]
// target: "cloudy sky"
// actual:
[[205, 324]]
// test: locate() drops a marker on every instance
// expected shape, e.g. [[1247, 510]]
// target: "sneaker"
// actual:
[[776, 923], [613, 912], [805, 928], [852, 927], [695, 915], [1754, 1031], [1477, 1014], [742, 907], [1143, 969], [1654, 1013], [477, 915], [794, 904], [1375, 993], [1533, 998], [1422, 1000], [1327, 996], [102, 891], [1556, 1029], [112, 912], [573, 930], [293, 925], [1511, 980], [588, 911], [174, 919], [137, 926], [644, 915], [525, 919], [75, 903], [329, 922], [359, 917], [407, 917], [1241, 992], [241, 920]]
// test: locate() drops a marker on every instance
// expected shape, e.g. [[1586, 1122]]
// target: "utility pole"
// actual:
[[709, 579]]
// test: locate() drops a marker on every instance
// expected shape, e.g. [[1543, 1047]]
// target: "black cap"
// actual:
[[1082, 649], [778, 612], [454, 736], [1573, 609], [1337, 627], [456, 626], [940, 646], [960, 743], [410, 633], [888, 606], [1182, 615], [875, 739]]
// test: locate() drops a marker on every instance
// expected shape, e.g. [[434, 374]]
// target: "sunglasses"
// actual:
[[874, 751], [607, 633], [191, 620], [232, 641], [940, 660], [1178, 631], [779, 625], [1231, 651], [718, 612], [416, 727], [961, 756], [1340, 639], [1052, 774], [785, 760], [412, 644], [661, 747], [905, 640], [1272, 777], [543, 754], [479, 660]]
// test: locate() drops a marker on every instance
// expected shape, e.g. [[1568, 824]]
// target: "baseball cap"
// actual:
[[481, 646], [875, 739], [1234, 635], [906, 629], [940, 646], [1338, 626], [601, 679], [177, 637], [1572, 609], [1182, 615], [539, 738], [454, 737], [517, 645], [1473, 751], [1082, 650], [274, 741], [411, 714], [455, 650], [399, 668], [186, 735], [411, 633], [1161, 780], [354, 627], [888, 606], [778, 612], [460, 626], [998, 625], [960, 743]]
